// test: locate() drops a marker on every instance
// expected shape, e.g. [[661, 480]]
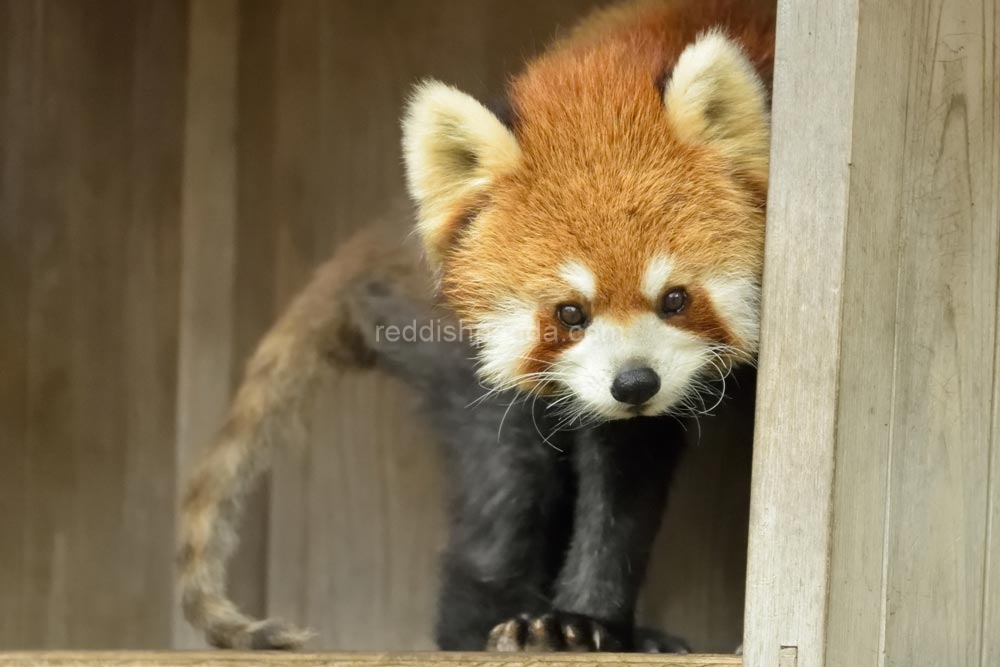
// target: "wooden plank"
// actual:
[[429, 659], [913, 383], [296, 579], [144, 399], [942, 405], [867, 365], [95, 191], [19, 106], [787, 570], [363, 576], [910, 529], [208, 226], [990, 633], [253, 295], [990, 654]]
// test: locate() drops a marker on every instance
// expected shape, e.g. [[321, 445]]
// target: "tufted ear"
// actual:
[[716, 97], [454, 148]]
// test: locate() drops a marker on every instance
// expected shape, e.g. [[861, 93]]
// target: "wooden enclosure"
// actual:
[[876, 461], [172, 170], [172, 173]]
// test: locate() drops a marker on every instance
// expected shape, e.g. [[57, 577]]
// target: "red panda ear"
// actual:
[[716, 97], [454, 148]]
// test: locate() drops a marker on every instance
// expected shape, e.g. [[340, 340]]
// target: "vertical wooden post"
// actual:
[[788, 566], [875, 473], [208, 225]]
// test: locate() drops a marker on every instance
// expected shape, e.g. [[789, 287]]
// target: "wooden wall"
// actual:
[[876, 497], [91, 129], [171, 173]]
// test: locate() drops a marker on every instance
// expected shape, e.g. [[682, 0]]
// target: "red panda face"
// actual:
[[608, 250]]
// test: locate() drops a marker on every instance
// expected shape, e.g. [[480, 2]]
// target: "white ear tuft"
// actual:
[[716, 97], [454, 148]]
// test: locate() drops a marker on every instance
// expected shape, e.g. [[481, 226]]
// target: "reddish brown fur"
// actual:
[[604, 181]]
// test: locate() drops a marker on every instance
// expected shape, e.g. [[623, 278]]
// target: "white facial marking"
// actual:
[[506, 337], [737, 303], [655, 278], [609, 347], [580, 278]]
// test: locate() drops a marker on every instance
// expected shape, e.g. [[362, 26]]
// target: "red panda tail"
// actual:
[[320, 333]]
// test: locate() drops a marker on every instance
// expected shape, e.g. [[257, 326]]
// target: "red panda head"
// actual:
[[608, 244]]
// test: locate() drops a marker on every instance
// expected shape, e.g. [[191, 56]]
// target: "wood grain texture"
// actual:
[[991, 591], [208, 257], [793, 460], [92, 116], [910, 556], [429, 659], [864, 408], [942, 423], [18, 102], [910, 268], [355, 518]]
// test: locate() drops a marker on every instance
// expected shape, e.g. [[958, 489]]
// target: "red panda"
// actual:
[[603, 240], [620, 210]]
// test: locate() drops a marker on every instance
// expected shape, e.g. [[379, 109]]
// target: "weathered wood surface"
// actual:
[[877, 454], [429, 659], [207, 273], [940, 438], [787, 566], [91, 130]]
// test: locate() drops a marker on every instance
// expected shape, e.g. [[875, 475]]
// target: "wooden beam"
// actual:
[[788, 567], [909, 558], [208, 225], [428, 659], [875, 469]]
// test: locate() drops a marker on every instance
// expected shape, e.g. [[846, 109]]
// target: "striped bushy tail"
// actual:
[[321, 332]]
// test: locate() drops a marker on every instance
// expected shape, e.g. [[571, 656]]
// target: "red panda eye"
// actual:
[[674, 301], [571, 315]]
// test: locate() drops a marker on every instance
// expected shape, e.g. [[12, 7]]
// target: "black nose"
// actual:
[[635, 386]]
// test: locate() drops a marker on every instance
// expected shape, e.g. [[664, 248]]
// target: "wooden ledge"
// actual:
[[428, 659]]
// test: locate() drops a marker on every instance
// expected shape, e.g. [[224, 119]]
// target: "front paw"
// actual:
[[555, 631]]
